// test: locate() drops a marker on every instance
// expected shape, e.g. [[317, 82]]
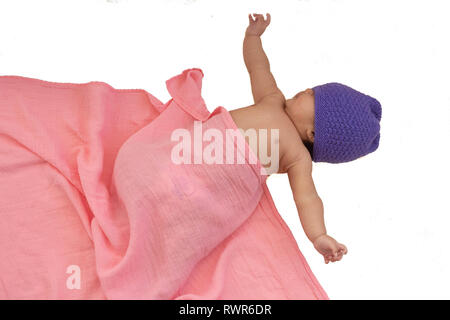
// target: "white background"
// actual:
[[390, 208]]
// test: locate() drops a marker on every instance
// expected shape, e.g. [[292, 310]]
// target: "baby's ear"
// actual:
[[310, 135]]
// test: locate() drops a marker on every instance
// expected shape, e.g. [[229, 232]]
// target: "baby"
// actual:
[[329, 123]]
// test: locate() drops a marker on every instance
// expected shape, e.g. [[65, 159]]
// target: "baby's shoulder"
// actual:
[[291, 148]]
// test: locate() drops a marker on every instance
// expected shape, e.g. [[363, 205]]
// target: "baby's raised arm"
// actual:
[[262, 81], [264, 87], [310, 209]]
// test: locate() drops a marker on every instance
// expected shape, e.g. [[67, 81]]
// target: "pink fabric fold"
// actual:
[[87, 180]]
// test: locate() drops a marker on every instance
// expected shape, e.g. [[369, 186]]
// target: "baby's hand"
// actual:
[[329, 248], [258, 26]]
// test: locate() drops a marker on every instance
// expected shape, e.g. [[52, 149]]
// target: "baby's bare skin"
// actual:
[[294, 118], [269, 114]]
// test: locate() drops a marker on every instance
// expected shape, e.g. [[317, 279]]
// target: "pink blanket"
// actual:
[[92, 207]]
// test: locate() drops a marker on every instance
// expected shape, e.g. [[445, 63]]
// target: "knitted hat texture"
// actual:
[[346, 124]]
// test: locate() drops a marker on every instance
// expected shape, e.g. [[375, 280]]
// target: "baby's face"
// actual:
[[300, 109]]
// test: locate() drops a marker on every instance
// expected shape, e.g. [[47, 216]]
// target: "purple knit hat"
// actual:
[[347, 123]]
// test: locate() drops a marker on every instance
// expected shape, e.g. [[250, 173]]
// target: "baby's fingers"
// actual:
[[343, 248], [254, 17], [268, 18], [336, 256], [328, 258], [258, 17]]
